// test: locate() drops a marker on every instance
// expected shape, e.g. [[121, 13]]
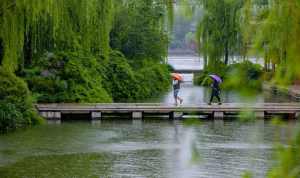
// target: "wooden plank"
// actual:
[[230, 112]]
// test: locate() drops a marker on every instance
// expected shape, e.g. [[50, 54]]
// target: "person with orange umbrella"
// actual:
[[176, 86]]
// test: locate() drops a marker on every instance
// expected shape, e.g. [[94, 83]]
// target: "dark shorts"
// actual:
[[176, 93]]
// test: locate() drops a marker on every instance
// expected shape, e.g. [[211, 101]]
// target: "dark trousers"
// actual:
[[212, 96]]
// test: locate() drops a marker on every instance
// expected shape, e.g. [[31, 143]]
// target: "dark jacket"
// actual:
[[215, 89], [177, 86]]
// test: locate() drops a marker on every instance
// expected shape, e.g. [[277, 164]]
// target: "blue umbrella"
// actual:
[[216, 78]]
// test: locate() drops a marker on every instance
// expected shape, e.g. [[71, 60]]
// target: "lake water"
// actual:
[[149, 148], [195, 62], [152, 147]]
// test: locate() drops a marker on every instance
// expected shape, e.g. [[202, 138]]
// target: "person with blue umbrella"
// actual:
[[215, 88]]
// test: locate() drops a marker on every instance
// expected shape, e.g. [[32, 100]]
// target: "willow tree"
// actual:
[[277, 28], [219, 31], [35, 26]]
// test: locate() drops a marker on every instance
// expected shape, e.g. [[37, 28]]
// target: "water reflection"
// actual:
[[53, 122], [218, 123], [137, 122], [96, 123], [139, 148]]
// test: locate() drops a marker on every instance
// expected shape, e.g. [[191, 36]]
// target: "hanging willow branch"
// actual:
[[79, 26], [278, 2], [8, 8]]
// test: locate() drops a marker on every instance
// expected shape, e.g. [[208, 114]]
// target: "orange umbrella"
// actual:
[[177, 76]]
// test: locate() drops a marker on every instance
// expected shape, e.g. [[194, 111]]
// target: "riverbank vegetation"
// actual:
[[83, 51], [247, 28]]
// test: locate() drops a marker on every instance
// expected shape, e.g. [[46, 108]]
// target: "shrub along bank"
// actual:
[[14, 94], [80, 79], [246, 74]]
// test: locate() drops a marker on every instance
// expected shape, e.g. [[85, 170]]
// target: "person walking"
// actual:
[[215, 91], [176, 88]]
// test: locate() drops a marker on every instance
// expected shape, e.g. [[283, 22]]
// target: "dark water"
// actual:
[[148, 148]]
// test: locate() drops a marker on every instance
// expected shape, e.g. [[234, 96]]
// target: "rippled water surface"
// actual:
[[132, 148]]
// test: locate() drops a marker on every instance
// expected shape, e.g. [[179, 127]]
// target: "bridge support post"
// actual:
[[50, 115], [137, 115], [95, 115], [177, 115], [297, 115], [218, 115], [259, 114]]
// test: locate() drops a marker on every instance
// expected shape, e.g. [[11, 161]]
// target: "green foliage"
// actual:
[[171, 69], [14, 90], [10, 116], [153, 79], [216, 67], [244, 77], [28, 27], [137, 34], [189, 36], [219, 32], [41, 84], [78, 80], [246, 74], [176, 44], [199, 79], [85, 79], [120, 80], [287, 157], [276, 32]]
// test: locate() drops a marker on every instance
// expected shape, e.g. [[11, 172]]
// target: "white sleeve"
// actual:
[[175, 82]]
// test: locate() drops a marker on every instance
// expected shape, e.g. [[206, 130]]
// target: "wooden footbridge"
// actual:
[[140, 110]]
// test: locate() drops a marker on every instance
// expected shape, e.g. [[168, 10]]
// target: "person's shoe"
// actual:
[[220, 104], [175, 104], [181, 101], [209, 103]]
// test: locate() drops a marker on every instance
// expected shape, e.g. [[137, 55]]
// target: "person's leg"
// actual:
[[219, 100], [211, 98], [180, 99], [175, 96]]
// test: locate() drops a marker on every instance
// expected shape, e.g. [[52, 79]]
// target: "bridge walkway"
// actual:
[[140, 110]]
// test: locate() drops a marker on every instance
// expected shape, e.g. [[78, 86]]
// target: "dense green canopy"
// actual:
[[34, 26]]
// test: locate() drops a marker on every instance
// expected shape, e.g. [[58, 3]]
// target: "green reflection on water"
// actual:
[[135, 148]]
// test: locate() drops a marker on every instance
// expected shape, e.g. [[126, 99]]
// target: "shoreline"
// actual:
[[293, 90]]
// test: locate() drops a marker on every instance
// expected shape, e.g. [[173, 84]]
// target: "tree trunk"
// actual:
[[205, 60], [1, 51], [226, 53], [273, 69]]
